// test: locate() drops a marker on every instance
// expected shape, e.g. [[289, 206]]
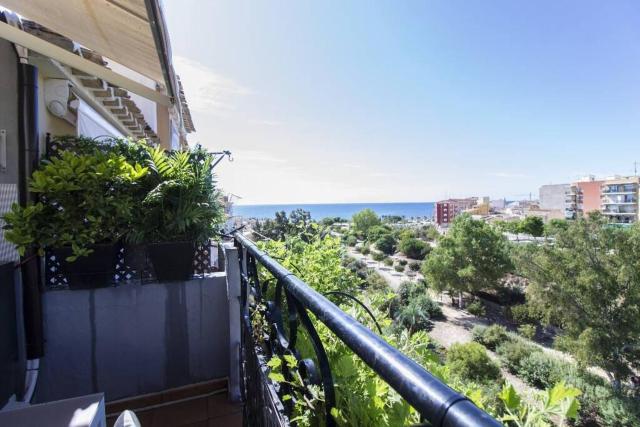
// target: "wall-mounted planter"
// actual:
[[95, 270], [172, 261]]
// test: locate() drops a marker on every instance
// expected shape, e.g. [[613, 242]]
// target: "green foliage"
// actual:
[[471, 361], [83, 200], [527, 331], [297, 223], [588, 280], [555, 226], [417, 314], [375, 281], [351, 240], [379, 256], [524, 314], [388, 262], [364, 220], [377, 231], [539, 369], [532, 225], [182, 202], [556, 404], [491, 336], [414, 248], [399, 268], [512, 352], [386, 244], [415, 265], [477, 308], [403, 262], [365, 250], [472, 256]]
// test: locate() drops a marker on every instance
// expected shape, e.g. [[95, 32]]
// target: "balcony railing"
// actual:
[[435, 401]]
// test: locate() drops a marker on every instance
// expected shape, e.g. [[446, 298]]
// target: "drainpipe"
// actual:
[[28, 154]]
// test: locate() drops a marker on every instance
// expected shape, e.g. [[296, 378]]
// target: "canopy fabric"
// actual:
[[117, 29], [93, 125]]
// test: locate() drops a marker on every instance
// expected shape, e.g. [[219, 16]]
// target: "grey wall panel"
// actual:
[[134, 339]]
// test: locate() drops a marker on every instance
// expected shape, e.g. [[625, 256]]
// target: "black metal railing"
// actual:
[[438, 404]]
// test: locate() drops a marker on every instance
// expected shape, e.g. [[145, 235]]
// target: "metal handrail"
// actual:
[[437, 402]]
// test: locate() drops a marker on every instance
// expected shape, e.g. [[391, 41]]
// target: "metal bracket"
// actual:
[[3, 150]]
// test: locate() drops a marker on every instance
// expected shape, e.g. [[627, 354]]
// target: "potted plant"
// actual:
[[180, 211], [85, 206]]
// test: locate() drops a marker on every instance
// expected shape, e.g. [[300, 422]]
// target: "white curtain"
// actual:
[[92, 124]]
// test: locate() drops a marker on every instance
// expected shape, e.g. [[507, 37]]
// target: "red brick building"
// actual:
[[447, 210]]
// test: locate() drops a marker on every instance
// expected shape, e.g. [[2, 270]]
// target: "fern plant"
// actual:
[[182, 203]]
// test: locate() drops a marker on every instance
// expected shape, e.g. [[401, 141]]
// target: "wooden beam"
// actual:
[[52, 51]]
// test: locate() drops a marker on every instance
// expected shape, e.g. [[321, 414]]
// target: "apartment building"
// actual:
[[582, 197], [447, 210], [619, 200]]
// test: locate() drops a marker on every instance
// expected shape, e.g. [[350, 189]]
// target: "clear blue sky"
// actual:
[[347, 101]]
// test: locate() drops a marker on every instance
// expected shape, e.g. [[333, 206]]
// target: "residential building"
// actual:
[[619, 200], [447, 210], [582, 197], [552, 197]]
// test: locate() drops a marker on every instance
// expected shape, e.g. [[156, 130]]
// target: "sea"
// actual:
[[343, 210]]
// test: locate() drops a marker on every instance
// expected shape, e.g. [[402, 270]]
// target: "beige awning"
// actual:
[[117, 29]]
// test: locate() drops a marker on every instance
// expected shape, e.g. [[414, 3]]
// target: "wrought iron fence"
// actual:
[[285, 303]]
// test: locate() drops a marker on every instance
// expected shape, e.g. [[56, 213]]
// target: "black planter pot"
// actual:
[[95, 270], [135, 257], [172, 261]]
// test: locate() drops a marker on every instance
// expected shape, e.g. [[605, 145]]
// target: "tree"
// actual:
[[532, 225], [471, 257], [364, 220], [386, 244], [298, 223], [588, 279], [377, 231], [554, 226], [414, 248]]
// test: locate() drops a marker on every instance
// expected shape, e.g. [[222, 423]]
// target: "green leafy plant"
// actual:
[[414, 265], [82, 200], [539, 369], [182, 203], [491, 336], [388, 262], [378, 256], [511, 352], [414, 248], [527, 331], [399, 268], [471, 361], [558, 403], [477, 308]]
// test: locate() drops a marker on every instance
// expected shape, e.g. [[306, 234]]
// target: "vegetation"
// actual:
[[399, 268], [588, 281], [415, 265], [364, 220], [297, 223], [527, 331], [84, 199], [470, 361], [512, 352], [414, 248], [386, 244], [491, 336], [477, 308], [472, 256]]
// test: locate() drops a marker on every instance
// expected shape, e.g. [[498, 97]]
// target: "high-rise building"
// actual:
[[619, 200], [552, 197]]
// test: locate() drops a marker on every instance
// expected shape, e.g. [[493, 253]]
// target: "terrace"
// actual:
[[79, 347]]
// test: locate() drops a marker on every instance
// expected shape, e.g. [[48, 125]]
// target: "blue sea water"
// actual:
[[343, 210]]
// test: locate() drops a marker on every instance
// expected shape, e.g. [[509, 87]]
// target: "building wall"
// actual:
[[552, 197], [134, 339], [591, 192]]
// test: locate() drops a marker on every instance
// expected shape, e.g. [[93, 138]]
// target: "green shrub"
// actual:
[[376, 281], [402, 262], [398, 268], [351, 240], [523, 314], [477, 308], [386, 244], [527, 331], [470, 361], [365, 250], [408, 290], [511, 352], [414, 248], [378, 256], [491, 336], [388, 262], [415, 265], [417, 314], [539, 370]]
